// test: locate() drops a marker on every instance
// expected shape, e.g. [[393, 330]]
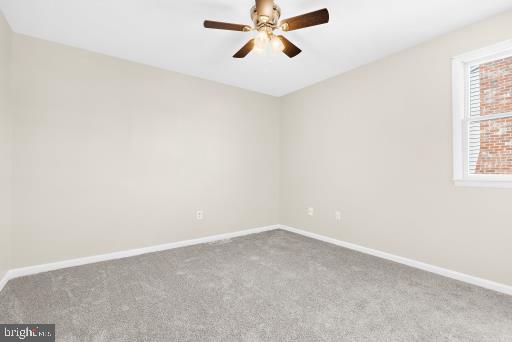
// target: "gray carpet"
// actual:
[[274, 286]]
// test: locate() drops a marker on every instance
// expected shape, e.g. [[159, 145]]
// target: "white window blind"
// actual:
[[474, 126]]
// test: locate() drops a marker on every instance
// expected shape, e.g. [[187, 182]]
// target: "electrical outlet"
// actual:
[[199, 215], [338, 216], [311, 211]]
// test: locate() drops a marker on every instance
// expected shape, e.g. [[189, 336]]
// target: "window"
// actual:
[[482, 117]]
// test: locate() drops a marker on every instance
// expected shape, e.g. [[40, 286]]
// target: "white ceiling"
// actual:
[[169, 34]]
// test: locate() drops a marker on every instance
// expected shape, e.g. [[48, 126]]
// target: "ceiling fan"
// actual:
[[265, 16]]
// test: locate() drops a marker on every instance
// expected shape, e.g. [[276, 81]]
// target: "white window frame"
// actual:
[[461, 114]]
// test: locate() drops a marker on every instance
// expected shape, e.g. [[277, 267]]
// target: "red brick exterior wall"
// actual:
[[495, 135]]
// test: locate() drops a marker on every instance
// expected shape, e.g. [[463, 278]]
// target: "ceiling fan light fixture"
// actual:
[[258, 50], [262, 40], [266, 16], [277, 44]]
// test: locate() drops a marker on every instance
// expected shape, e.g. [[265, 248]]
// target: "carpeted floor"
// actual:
[[273, 286]]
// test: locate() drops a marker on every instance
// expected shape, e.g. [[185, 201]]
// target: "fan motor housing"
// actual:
[[272, 21]]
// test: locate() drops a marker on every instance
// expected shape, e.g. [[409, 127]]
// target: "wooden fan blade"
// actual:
[[289, 48], [244, 51], [226, 26], [265, 7], [306, 20]]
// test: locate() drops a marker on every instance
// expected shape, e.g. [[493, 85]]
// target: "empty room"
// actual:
[[255, 170]]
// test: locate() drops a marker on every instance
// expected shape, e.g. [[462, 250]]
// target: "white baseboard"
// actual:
[[491, 285], [5, 278], [25, 271]]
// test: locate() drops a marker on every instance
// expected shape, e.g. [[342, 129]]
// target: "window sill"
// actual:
[[479, 183]]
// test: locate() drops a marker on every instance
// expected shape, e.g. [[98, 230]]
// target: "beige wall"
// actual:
[[376, 144], [5, 147], [111, 155]]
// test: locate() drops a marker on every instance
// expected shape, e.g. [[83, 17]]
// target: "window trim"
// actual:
[[460, 91]]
